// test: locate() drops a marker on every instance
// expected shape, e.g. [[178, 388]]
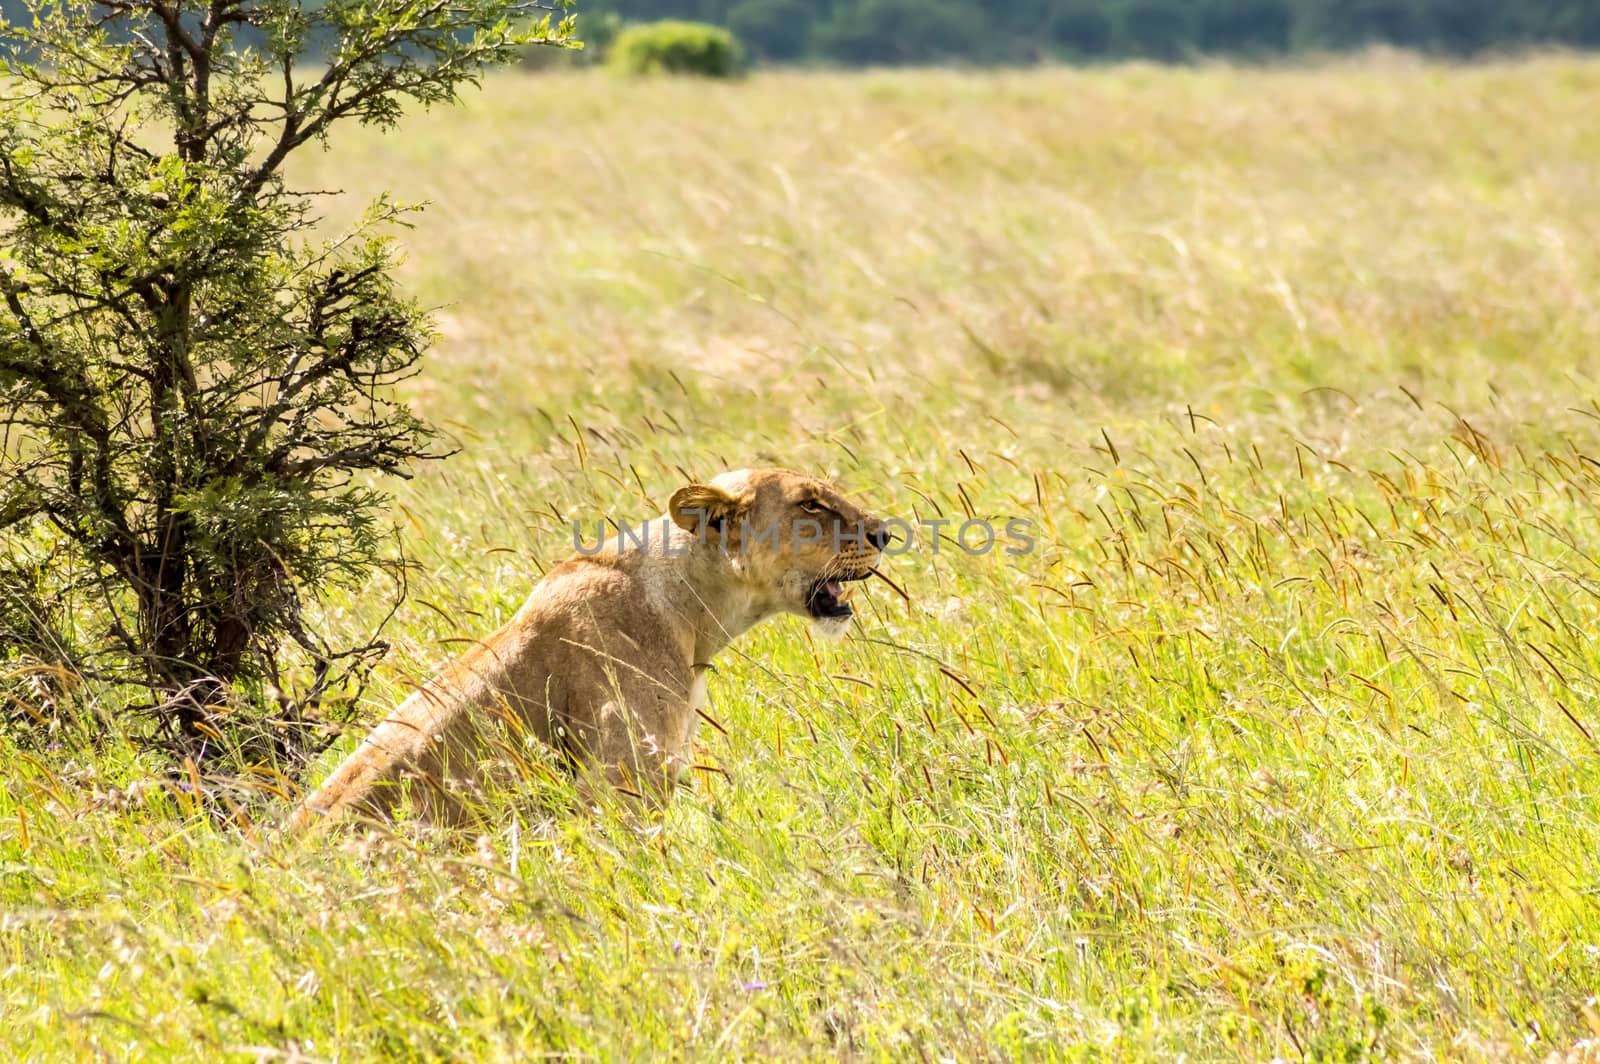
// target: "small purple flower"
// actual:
[[755, 984]]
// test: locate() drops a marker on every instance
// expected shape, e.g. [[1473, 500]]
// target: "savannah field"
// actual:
[[1281, 743]]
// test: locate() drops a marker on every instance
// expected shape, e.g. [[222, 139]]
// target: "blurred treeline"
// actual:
[[874, 32], [853, 32]]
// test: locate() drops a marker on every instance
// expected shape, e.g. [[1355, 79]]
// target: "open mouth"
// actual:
[[830, 598]]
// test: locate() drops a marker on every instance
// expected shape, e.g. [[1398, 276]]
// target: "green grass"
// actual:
[[1280, 744]]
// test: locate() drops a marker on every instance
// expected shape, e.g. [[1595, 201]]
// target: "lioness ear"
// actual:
[[698, 506]]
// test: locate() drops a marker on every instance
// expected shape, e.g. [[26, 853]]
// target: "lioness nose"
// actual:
[[881, 537]]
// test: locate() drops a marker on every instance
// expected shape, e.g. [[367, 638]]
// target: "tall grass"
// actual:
[[1281, 743]]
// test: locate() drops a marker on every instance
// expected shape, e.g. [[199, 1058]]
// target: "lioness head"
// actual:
[[792, 538]]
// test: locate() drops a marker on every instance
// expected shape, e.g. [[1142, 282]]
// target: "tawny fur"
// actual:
[[606, 659]]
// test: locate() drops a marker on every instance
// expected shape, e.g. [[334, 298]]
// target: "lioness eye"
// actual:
[[811, 507]]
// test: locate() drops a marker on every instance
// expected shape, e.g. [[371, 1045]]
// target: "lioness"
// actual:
[[606, 660]]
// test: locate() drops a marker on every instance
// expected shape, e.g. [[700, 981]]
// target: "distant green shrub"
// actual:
[[673, 47]]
